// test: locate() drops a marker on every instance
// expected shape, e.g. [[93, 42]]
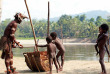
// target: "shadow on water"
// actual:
[[73, 52]]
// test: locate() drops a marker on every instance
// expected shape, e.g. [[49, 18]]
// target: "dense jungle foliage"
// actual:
[[72, 27]]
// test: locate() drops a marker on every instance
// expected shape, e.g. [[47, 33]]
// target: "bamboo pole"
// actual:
[[61, 34], [31, 24], [48, 19], [32, 29], [108, 45], [0, 9]]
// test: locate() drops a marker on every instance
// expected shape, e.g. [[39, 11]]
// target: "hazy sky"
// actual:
[[38, 8]]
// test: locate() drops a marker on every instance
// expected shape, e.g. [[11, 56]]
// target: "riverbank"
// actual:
[[75, 41], [70, 67]]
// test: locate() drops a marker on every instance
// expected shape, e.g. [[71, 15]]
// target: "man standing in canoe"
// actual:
[[8, 41]]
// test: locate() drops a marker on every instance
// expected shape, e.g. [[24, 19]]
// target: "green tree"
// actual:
[[82, 17], [99, 20]]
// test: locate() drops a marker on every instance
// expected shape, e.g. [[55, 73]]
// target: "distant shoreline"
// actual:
[[73, 40]]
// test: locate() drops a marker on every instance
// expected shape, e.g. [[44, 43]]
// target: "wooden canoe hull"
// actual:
[[37, 61]]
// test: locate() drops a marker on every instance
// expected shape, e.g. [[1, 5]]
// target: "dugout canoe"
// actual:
[[37, 61]]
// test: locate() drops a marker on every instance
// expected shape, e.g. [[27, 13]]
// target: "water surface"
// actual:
[[73, 52]]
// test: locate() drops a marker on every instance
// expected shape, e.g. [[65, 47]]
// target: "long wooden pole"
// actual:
[[48, 19], [61, 34], [0, 9], [31, 24], [108, 45], [32, 30]]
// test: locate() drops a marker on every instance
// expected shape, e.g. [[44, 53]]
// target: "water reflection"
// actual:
[[73, 52]]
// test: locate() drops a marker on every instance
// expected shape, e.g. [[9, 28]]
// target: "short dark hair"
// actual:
[[104, 27], [49, 39], [53, 34]]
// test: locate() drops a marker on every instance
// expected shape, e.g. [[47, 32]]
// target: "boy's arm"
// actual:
[[107, 50], [97, 45], [96, 49], [42, 45]]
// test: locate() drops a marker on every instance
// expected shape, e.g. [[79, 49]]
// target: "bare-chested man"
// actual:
[[51, 51], [61, 49], [101, 43], [8, 41]]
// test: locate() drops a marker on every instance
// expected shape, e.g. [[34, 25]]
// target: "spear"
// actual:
[[31, 24]]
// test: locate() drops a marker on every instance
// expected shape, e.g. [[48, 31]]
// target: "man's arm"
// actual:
[[12, 35]]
